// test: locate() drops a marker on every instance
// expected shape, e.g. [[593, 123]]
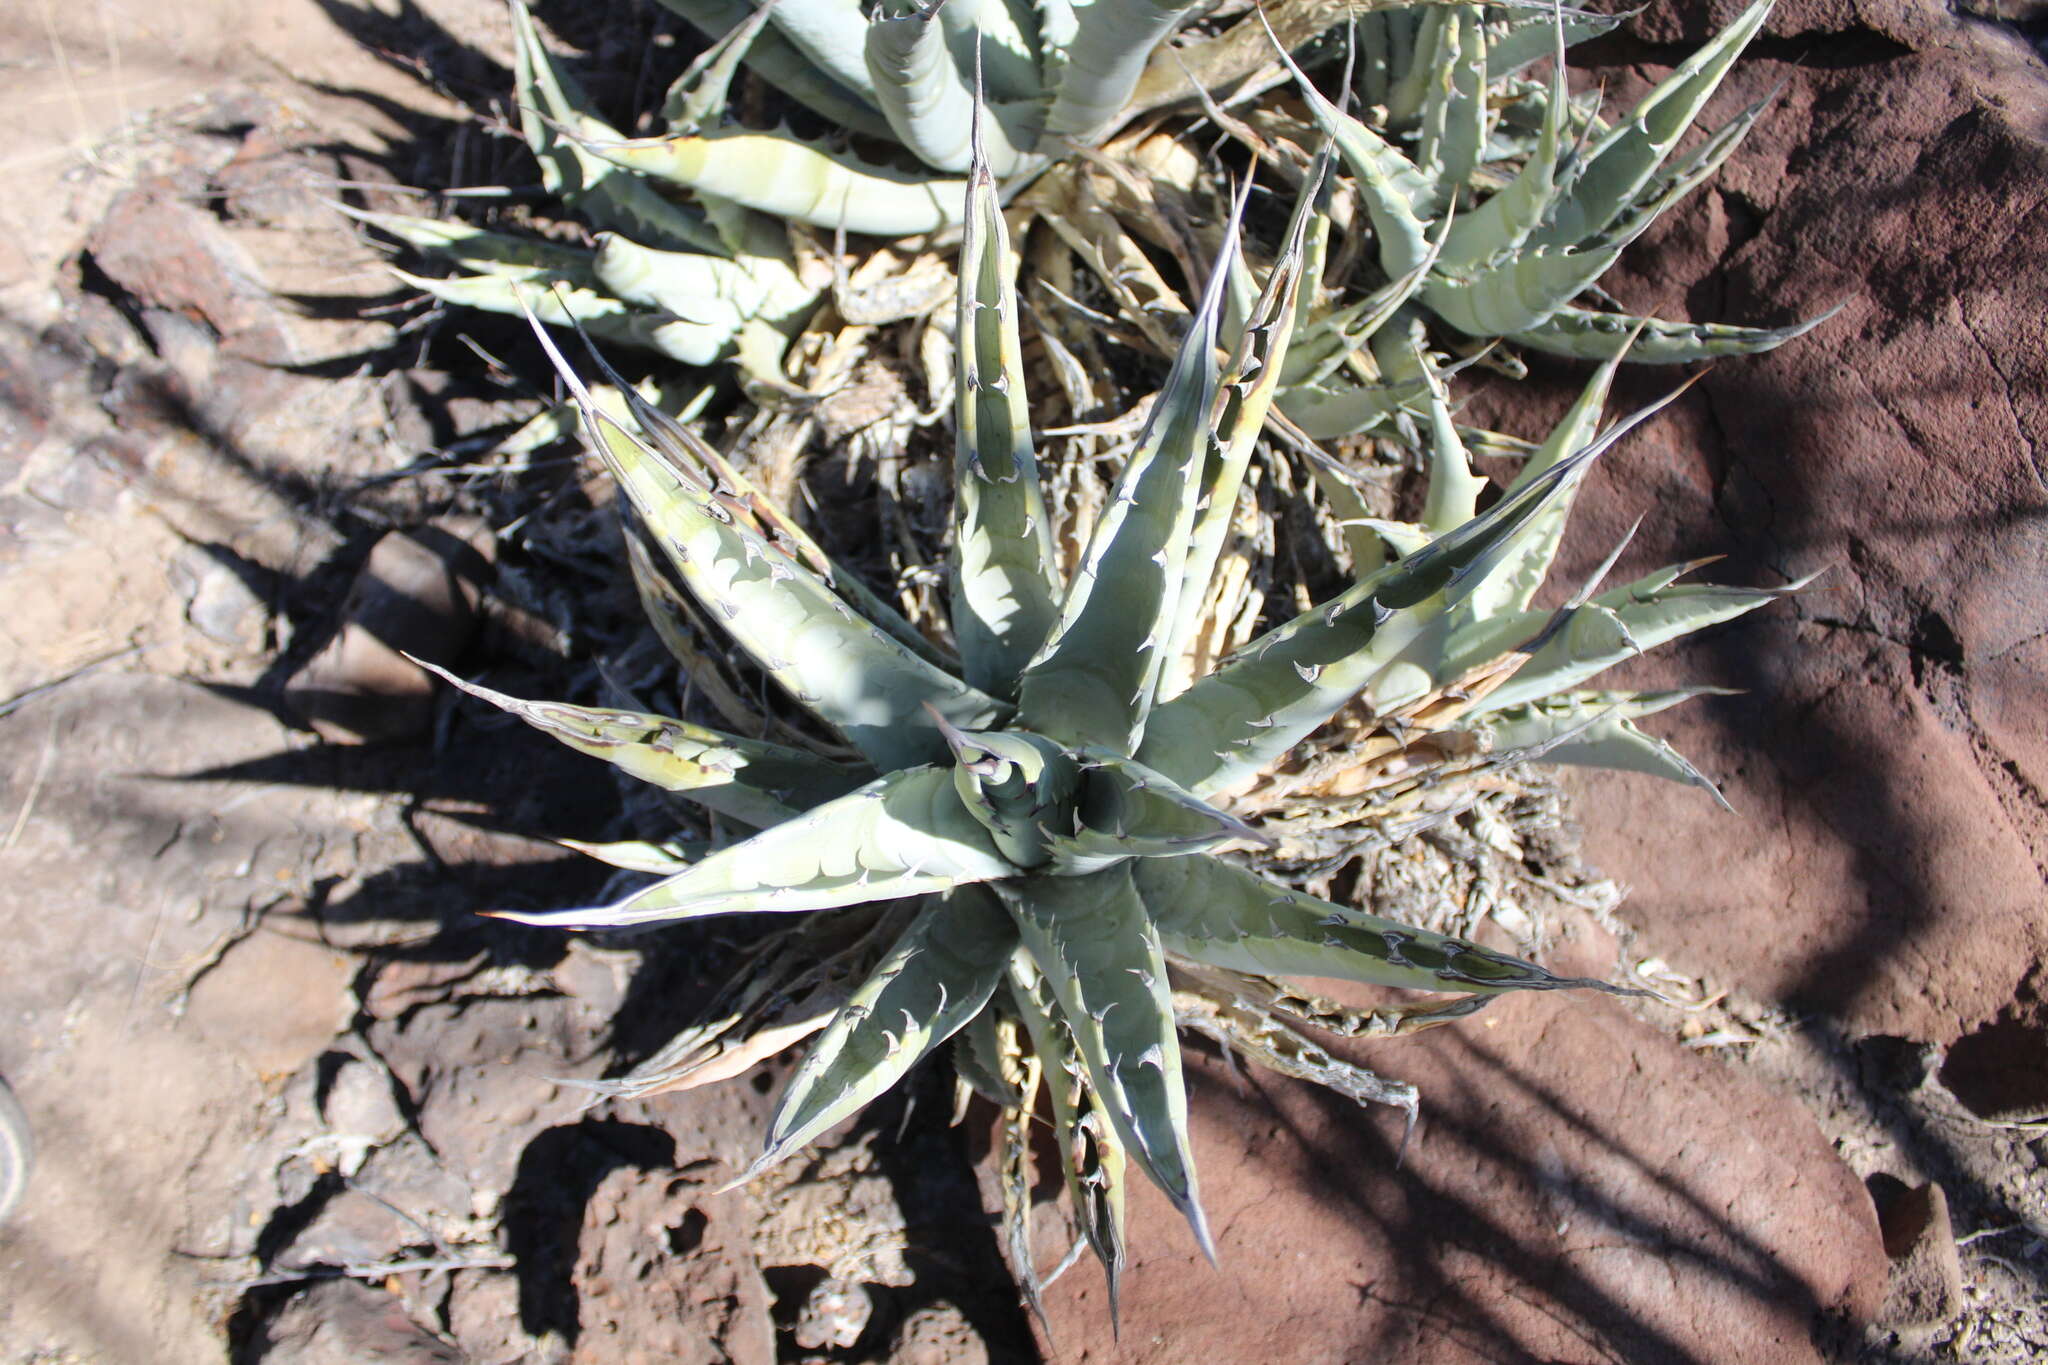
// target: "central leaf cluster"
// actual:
[[1065, 812]]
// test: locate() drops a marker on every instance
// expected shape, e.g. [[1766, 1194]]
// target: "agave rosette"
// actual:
[[1474, 198], [697, 282], [691, 257], [1036, 841]]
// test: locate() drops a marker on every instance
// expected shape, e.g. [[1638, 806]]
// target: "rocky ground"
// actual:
[[294, 1102]]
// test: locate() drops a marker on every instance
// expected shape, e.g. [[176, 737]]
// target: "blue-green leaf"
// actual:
[[902, 835], [1225, 916], [758, 783], [1598, 730], [1094, 1161], [1113, 40], [1269, 697], [1123, 809], [1455, 118], [556, 118], [1621, 163], [931, 107], [1094, 680], [936, 978], [773, 58], [1506, 218], [1590, 335], [791, 179], [1005, 586], [843, 667], [1092, 941]]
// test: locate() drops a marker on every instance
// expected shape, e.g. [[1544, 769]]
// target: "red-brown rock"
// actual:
[[1926, 1282], [1581, 1189], [417, 595], [1886, 863]]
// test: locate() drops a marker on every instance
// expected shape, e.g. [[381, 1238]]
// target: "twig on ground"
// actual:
[[35, 788], [20, 699], [375, 1270]]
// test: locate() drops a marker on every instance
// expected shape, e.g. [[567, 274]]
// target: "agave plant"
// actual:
[[1485, 201], [1054, 75], [714, 277], [1037, 825], [1515, 261], [697, 283]]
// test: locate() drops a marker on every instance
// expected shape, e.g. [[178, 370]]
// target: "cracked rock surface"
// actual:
[[1887, 762]]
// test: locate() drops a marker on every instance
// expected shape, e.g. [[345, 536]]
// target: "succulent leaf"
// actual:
[[1622, 624], [776, 60], [1002, 36], [1598, 730], [561, 304], [1523, 573], [639, 855], [1689, 171], [1248, 387], [1521, 42], [1005, 592], [699, 289], [1112, 41], [848, 671], [1588, 334], [556, 118], [938, 976], [1094, 1161], [1427, 34], [1123, 809], [758, 284], [931, 108], [1091, 940], [1618, 166], [1212, 912], [1504, 220], [1267, 699], [1454, 489], [672, 612], [1455, 119], [746, 779], [903, 835], [828, 33], [1094, 680], [1327, 413], [740, 495], [1017, 785], [1388, 182], [483, 252], [697, 98], [792, 179], [1519, 292]]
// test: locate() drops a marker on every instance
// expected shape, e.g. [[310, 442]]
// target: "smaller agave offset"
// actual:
[[1044, 825], [1483, 201], [1520, 249], [714, 277], [698, 283]]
